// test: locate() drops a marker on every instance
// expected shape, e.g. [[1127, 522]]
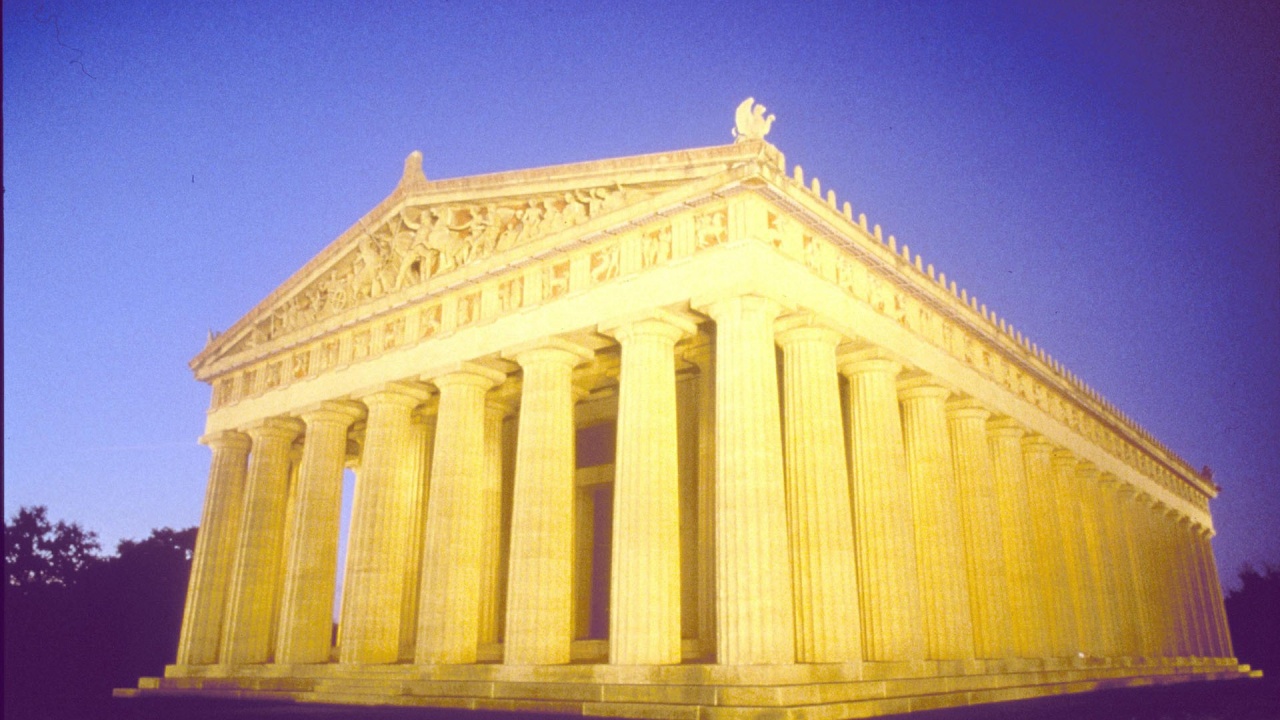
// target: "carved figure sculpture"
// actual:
[[751, 122]]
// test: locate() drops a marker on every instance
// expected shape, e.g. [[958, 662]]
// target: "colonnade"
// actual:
[[861, 511]]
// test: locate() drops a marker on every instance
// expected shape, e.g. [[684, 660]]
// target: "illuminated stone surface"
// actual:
[[672, 436]]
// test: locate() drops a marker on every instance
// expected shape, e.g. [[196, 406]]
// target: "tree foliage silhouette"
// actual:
[[78, 623], [39, 554], [1253, 612]]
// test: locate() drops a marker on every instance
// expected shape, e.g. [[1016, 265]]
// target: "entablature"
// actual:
[[477, 259]]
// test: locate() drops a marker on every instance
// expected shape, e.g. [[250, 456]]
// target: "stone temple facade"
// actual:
[[674, 435]]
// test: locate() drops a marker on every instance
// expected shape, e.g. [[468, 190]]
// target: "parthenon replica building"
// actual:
[[674, 435]]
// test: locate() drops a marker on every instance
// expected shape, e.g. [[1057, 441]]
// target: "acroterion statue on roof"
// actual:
[[751, 122]]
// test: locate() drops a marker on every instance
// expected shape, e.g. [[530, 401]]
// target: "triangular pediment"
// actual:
[[429, 235]]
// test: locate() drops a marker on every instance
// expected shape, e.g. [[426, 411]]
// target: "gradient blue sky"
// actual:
[[1104, 175]]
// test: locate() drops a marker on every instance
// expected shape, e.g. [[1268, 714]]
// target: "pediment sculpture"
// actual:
[[421, 242]]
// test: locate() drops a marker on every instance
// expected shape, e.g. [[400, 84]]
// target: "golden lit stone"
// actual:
[[672, 436]]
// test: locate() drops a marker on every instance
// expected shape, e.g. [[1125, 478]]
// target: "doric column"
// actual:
[[1154, 576], [940, 551], [381, 529], [311, 570], [1051, 543], [1181, 591], [1204, 601], [824, 575], [1119, 568], [644, 612], [252, 604], [215, 551], [980, 519], [755, 611], [1221, 633], [540, 589], [1079, 577], [883, 524], [449, 605], [1145, 637], [706, 429], [495, 413], [1176, 642], [1197, 611], [1028, 618], [417, 466], [1100, 597]]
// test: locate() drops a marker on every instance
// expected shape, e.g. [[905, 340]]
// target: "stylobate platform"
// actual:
[[684, 691]]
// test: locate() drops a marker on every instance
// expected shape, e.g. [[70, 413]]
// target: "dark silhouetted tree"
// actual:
[[1253, 612], [78, 624], [39, 554]]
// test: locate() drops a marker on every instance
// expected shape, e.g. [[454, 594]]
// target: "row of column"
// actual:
[[927, 530]]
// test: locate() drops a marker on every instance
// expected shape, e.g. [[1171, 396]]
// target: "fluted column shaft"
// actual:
[[824, 575], [254, 599], [1184, 628], [940, 550], [1118, 564], [1051, 546], [311, 570], [1166, 582], [215, 550], [1101, 594], [883, 526], [644, 617], [1146, 641], [1155, 576], [495, 413], [417, 466], [754, 609], [980, 520], [1079, 577], [1204, 600], [449, 605], [1028, 617], [381, 530], [1195, 605], [540, 588], [1221, 633]]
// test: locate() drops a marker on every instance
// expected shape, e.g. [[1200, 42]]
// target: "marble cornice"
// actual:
[[909, 274]]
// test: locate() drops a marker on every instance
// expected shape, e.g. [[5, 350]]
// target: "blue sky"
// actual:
[[1104, 175]]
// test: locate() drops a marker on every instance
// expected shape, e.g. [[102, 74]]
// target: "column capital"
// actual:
[[425, 411], [466, 373], [1064, 458], [1037, 442], [1126, 490], [1107, 479], [866, 360], [714, 307], [280, 426], [408, 394], [1004, 426], [1087, 470], [550, 349], [228, 439], [919, 386], [659, 322], [801, 326], [334, 411], [503, 405], [967, 407]]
